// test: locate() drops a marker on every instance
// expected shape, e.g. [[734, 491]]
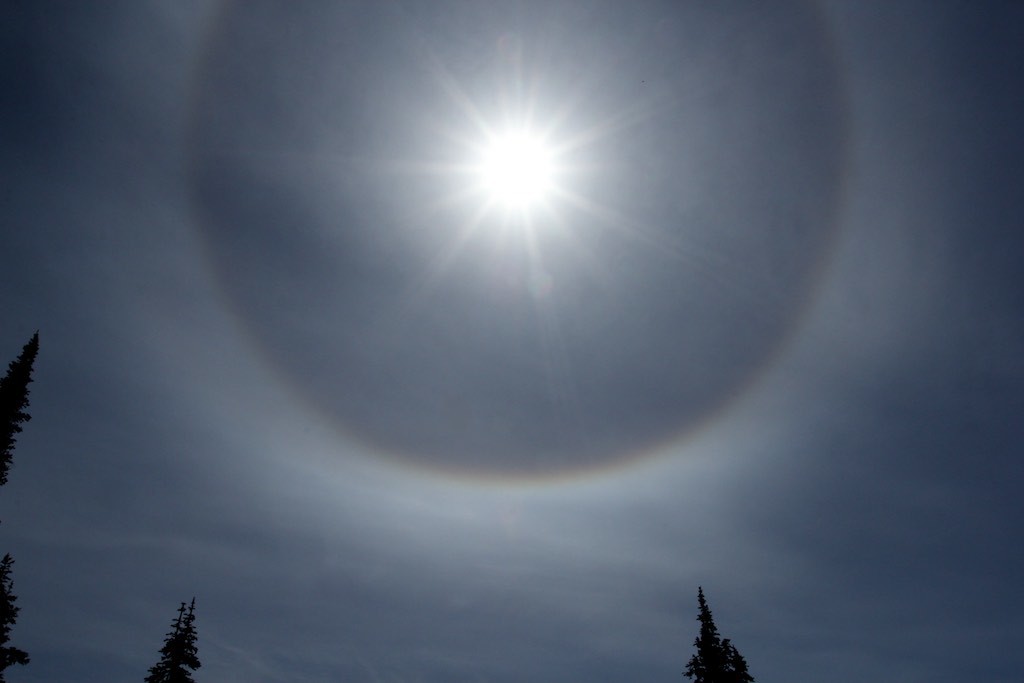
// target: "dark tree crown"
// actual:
[[13, 412], [9, 656], [14, 402], [179, 655], [716, 659]]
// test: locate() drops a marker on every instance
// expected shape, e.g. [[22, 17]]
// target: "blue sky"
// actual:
[[762, 334]]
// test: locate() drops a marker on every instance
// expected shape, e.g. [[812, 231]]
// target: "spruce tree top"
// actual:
[[9, 655], [14, 401], [716, 660], [179, 655]]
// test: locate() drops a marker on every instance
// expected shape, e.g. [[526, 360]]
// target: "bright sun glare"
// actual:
[[516, 170]]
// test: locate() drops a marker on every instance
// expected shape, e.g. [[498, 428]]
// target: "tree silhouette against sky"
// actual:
[[8, 614], [179, 655], [716, 659], [13, 412], [14, 402]]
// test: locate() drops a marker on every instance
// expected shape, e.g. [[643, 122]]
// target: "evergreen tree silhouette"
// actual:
[[179, 653], [8, 614], [14, 401], [716, 659], [13, 406]]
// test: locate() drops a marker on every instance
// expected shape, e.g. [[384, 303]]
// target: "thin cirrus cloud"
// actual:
[[764, 338]]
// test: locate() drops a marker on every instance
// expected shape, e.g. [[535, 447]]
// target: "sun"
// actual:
[[516, 170]]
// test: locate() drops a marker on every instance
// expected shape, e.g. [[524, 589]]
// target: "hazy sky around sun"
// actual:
[[759, 330]]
